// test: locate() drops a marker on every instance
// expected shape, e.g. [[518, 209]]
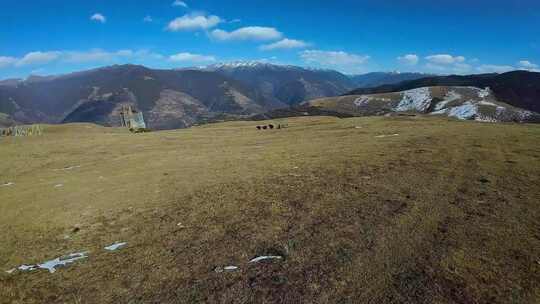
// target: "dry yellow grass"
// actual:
[[444, 212]]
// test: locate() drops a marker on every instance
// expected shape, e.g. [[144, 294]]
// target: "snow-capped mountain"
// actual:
[[285, 85]]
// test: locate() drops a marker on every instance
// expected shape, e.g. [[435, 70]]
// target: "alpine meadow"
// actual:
[[265, 152]]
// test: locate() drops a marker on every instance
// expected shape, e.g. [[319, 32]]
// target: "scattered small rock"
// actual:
[[483, 180], [59, 186], [68, 168], [220, 269]]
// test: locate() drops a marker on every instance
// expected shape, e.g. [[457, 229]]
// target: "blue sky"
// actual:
[[463, 37]]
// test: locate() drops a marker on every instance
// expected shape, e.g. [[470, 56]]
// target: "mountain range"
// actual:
[[184, 97]]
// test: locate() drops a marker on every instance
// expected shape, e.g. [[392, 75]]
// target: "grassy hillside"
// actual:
[[361, 210], [5, 120], [466, 103]]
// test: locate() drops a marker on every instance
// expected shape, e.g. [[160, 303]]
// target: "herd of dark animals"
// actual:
[[271, 127]]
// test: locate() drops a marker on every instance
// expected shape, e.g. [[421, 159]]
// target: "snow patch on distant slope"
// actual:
[[362, 100], [467, 110], [483, 93], [415, 100], [450, 96]]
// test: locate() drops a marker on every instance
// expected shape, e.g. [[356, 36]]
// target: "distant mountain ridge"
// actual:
[[285, 85], [184, 97], [376, 79], [168, 98], [518, 88]]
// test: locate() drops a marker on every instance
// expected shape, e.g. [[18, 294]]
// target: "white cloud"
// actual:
[[332, 58], [148, 19], [193, 58], [285, 44], [491, 68], [527, 65], [179, 3], [95, 55], [193, 22], [456, 68], [409, 59], [343, 61], [98, 18], [257, 33], [7, 61], [38, 57], [445, 59]]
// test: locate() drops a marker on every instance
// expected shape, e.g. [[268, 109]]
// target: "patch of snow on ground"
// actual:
[[362, 100], [11, 270], [450, 96], [266, 257], [487, 103], [466, 111], [53, 264], [484, 93], [415, 100], [115, 246], [7, 184], [524, 114], [383, 136]]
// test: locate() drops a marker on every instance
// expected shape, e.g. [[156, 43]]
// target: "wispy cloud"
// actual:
[[526, 64], [34, 58], [191, 58], [193, 22], [285, 44], [257, 33], [7, 61], [448, 64], [98, 18], [445, 59], [179, 3], [148, 19], [39, 58], [339, 60], [491, 68], [409, 59]]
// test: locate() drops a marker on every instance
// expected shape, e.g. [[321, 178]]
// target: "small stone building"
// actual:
[[131, 118]]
